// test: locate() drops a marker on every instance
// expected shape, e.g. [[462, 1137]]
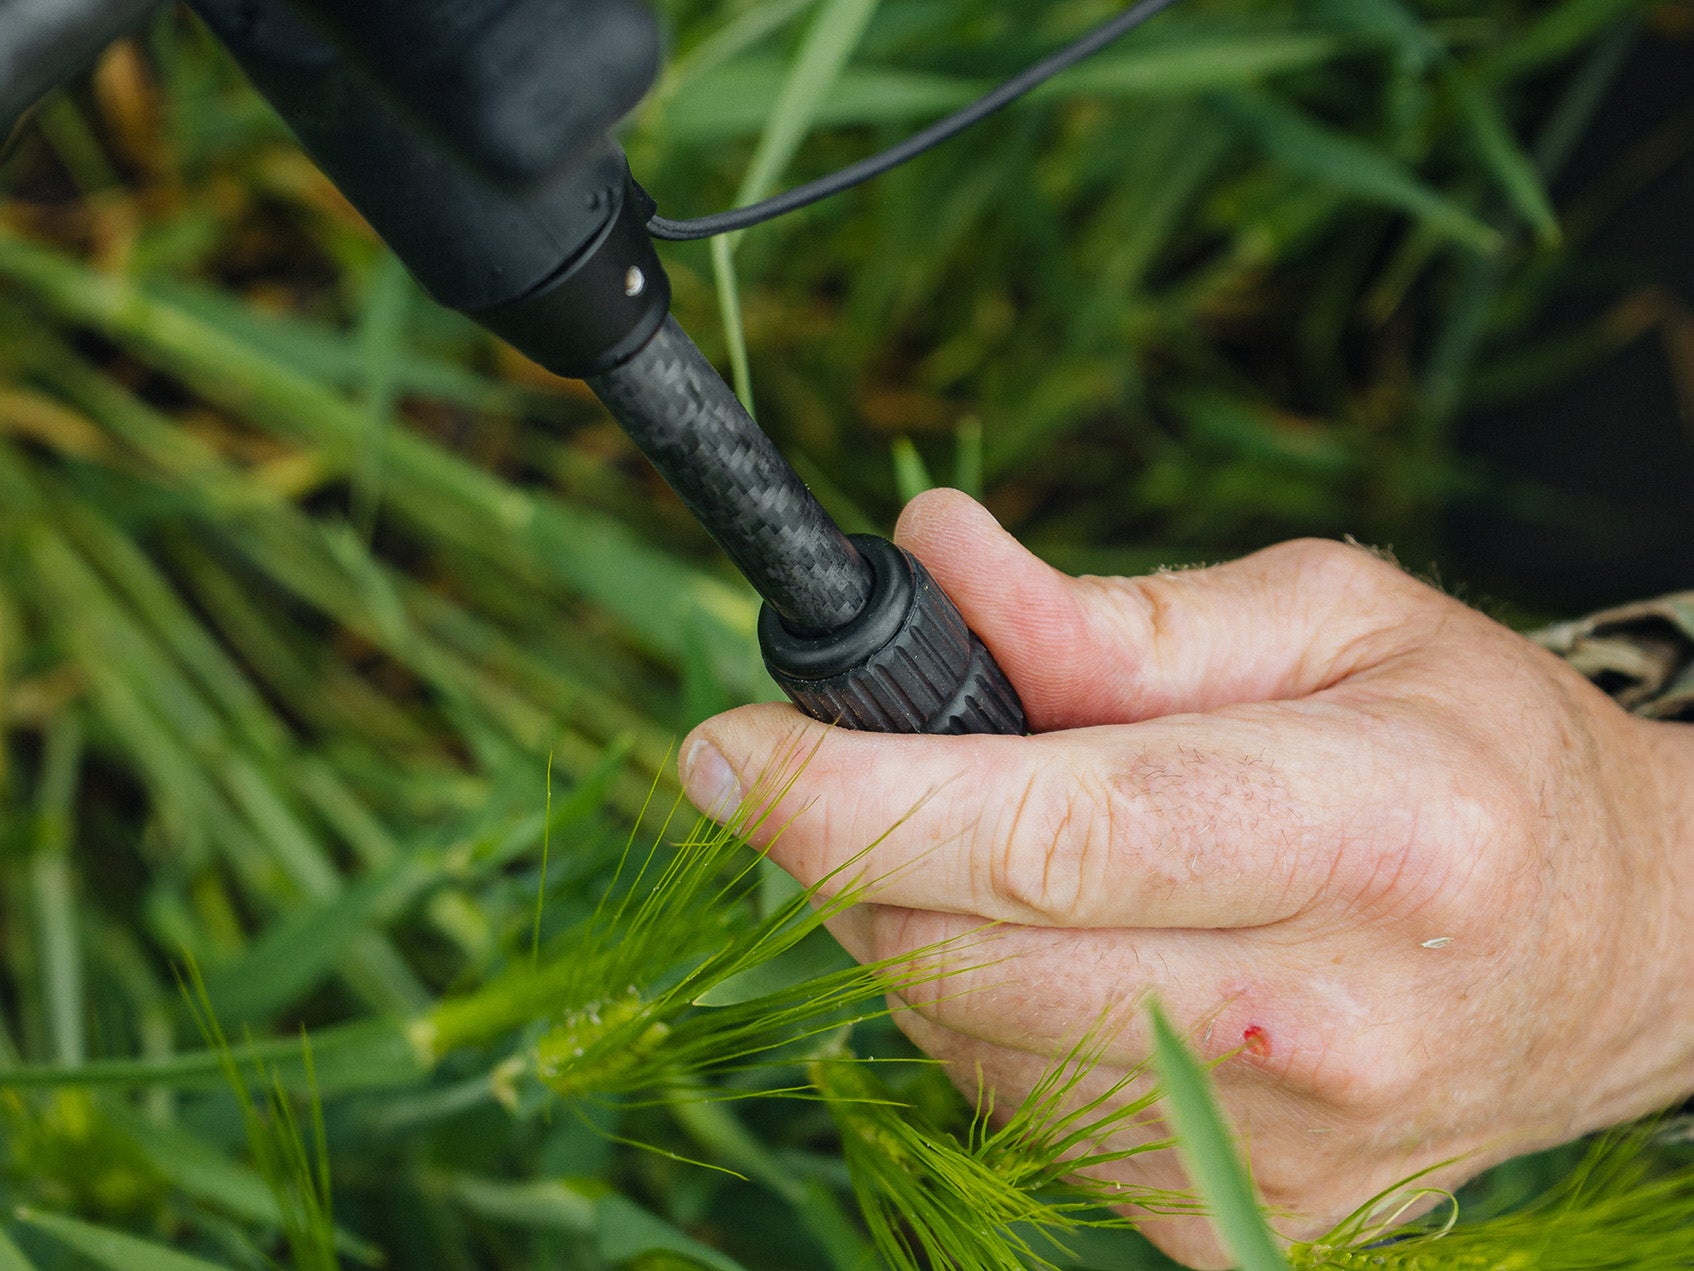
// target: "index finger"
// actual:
[[1238, 818]]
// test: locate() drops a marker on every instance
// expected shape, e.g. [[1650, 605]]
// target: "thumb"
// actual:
[[1280, 624]]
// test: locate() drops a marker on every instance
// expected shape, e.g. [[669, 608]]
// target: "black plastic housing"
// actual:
[[906, 664], [517, 88], [43, 42], [545, 263], [603, 307]]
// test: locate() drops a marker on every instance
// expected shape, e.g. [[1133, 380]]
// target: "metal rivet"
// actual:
[[634, 282]]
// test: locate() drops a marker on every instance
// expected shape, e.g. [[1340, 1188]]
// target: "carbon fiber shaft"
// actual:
[[686, 420]]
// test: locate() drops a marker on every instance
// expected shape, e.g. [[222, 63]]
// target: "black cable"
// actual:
[[942, 130]]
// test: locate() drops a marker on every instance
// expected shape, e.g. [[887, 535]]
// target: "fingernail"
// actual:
[[711, 784]]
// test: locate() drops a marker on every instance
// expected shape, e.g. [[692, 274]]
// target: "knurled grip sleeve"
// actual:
[[907, 664]]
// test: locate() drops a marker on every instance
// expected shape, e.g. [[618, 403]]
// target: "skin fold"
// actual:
[[1426, 886]]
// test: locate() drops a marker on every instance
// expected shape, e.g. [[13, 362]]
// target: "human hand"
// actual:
[[1428, 883]]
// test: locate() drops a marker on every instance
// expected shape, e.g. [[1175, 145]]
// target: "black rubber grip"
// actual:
[[906, 664]]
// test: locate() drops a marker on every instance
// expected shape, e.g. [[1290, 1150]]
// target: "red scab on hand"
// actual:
[[1256, 1042]]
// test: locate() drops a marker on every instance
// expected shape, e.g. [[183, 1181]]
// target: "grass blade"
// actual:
[[114, 1249], [367, 1055], [830, 41], [911, 474], [1309, 150], [727, 43], [629, 1233], [735, 99], [53, 890], [1208, 1152], [11, 1257], [1505, 158], [1561, 30]]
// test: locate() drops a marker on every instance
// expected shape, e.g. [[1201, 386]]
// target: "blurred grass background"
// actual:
[[304, 583]]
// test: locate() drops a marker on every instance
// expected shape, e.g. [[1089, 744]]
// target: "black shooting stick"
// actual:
[[474, 136]]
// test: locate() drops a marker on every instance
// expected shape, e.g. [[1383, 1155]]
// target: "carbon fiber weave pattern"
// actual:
[[677, 408]]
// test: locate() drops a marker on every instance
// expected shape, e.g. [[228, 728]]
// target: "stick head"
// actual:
[[517, 88]]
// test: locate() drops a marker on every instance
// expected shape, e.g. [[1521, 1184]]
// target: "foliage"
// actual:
[[1209, 1155], [306, 589], [1621, 1206]]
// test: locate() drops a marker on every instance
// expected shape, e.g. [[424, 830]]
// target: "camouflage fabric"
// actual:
[[1642, 654]]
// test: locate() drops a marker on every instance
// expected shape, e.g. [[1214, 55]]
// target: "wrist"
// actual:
[[1668, 876]]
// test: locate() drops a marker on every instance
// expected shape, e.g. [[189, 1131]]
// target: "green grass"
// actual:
[[1209, 1153], [339, 649]]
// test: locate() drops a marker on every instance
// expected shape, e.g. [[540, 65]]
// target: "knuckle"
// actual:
[[1441, 840], [1360, 601], [1485, 829], [1368, 1076], [1327, 562], [1348, 578], [1047, 855], [1082, 838], [1354, 1070], [1156, 606], [1021, 859], [1145, 613], [894, 937], [1405, 865], [1331, 1050]]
